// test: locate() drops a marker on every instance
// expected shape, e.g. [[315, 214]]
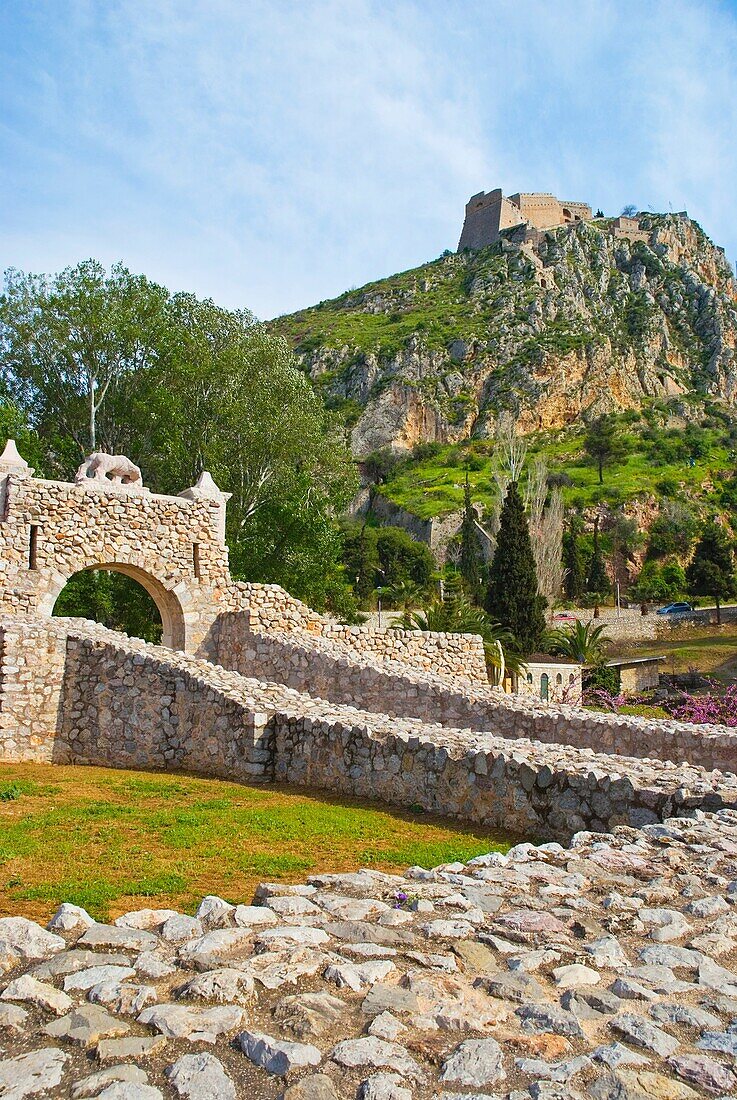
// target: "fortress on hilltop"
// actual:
[[489, 212]]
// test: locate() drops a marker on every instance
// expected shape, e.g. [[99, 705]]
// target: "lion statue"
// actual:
[[101, 468]]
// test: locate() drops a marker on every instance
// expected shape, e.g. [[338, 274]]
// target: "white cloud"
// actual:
[[274, 152]]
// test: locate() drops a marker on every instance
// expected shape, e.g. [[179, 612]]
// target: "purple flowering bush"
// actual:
[[713, 707]]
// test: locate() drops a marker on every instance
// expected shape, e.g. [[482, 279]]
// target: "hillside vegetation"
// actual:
[[584, 324], [677, 450]]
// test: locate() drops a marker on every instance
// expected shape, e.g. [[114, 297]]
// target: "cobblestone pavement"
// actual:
[[605, 969]]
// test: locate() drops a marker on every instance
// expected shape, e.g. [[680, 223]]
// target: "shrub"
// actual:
[[560, 480], [421, 452], [601, 678], [668, 487]]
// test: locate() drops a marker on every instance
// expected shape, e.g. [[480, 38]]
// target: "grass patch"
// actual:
[[434, 486], [643, 710], [712, 650], [277, 866], [106, 839]]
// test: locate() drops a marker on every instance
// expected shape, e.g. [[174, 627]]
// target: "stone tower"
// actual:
[[489, 212]]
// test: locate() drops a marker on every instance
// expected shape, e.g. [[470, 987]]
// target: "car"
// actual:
[[565, 616], [675, 609]]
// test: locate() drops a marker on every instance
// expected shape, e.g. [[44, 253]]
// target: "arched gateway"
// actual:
[[174, 546]]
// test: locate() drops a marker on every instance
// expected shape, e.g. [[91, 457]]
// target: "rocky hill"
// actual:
[[578, 322]]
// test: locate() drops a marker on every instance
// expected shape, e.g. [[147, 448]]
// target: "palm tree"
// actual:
[[455, 614], [404, 595], [582, 642]]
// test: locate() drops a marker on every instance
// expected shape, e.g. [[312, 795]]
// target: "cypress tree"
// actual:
[[471, 562], [598, 578], [574, 577], [513, 597], [711, 570]]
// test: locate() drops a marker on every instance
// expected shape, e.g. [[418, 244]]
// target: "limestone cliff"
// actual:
[[580, 319]]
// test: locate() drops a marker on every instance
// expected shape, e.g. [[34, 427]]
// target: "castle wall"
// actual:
[[485, 215], [488, 213], [130, 704]]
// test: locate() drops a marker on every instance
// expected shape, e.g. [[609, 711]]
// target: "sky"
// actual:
[[273, 153]]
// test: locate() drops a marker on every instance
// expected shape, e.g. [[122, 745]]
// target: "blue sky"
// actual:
[[271, 154]]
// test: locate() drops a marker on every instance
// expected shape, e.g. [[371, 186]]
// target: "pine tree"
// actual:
[[471, 563], [711, 570], [574, 579], [598, 578], [513, 597], [604, 443]]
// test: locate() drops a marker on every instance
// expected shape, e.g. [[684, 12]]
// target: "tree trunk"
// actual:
[[719, 612], [601, 471], [93, 425]]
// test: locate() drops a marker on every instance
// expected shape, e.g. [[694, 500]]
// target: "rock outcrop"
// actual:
[[578, 320]]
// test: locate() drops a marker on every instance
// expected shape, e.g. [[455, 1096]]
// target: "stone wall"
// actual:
[[175, 548], [269, 612], [125, 703], [32, 664], [315, 666]]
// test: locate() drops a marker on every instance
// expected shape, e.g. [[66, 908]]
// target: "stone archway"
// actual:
[[168, 603], [173, 546]]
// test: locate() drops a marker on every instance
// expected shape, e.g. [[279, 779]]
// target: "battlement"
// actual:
[[487, 213]]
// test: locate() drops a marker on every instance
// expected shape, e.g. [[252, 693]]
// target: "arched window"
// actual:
[[529, 677], [559, 680]]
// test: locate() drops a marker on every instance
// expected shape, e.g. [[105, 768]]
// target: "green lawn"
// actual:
[[115, 840], [710, 649]]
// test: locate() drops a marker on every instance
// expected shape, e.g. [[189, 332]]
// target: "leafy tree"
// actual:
[[673, 531], [581, 642], [361, 559], [387, 557], [403, 559], [711, 570], [674, 579], [574, 577], [626, 535], [112, 599], [597, 580], [380, 465], [68, 342], [513, 597], [471, 563], [603, 443], [235, 403], [657, 582], [629, 210]]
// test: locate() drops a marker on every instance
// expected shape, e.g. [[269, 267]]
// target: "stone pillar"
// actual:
[[206, 489], [11, 463]]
